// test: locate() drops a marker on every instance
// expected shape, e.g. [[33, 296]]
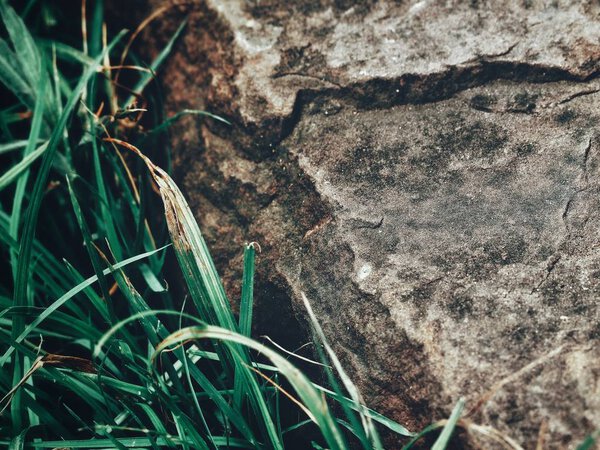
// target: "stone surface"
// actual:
[[428, 173]]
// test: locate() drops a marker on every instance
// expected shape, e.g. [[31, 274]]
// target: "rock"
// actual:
[[428, 173]]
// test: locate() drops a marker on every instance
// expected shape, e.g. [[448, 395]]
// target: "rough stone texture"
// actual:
[[428, 173]]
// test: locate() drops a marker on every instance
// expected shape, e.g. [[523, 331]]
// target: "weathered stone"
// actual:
[[428, 173]]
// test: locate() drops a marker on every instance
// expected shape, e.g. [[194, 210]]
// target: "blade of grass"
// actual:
[[87, 239], [245, 320], [69, 295], [18, 442], [186, 112], [428, 429], [444, 437], [18, 169], [15, 28], [589, 442], [312, 400], [36, 126], [11, 76], [367, 433], [16, 145], [25, 49], [107, 217], [246, 303]]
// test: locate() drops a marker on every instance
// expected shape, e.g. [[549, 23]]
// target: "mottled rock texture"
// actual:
[[428, 173]]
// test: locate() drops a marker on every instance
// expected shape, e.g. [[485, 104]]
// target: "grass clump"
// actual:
[[97, 350]]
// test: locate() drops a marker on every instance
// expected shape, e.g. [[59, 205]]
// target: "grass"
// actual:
[[99, 347]]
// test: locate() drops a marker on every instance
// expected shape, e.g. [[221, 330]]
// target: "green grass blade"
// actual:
[[87, 239], [151, 280], [246, 303], [11, 77], [69, 295], [96, 22], [18, 169], [379, 418], [66, 52], [314, 403], [245, 321], [444, 437], [107, 217], [222, 404], [36, 126], [367, 433], [589, 443], [25, 49], [15, 145], [428, 429], [18, 442], [192, 252], [21, 274]]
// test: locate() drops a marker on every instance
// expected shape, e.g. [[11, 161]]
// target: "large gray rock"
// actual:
[[428, 173]]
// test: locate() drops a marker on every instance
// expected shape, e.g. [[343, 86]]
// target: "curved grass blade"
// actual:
[[186, 112], [69, 295], [374, 415], [313, 401], [146, 77], [428, 429]]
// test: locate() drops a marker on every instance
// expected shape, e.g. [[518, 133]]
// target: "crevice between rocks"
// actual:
[[422, 89]]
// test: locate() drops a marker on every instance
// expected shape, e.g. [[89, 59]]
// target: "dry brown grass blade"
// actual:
[[512, 377], [37, 364], [491, 433], [136, 194], [62, 361], [155, 14], [128, 67], [170, 199], [284, 392], [542, 435], [69, 362], [276, 345]]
